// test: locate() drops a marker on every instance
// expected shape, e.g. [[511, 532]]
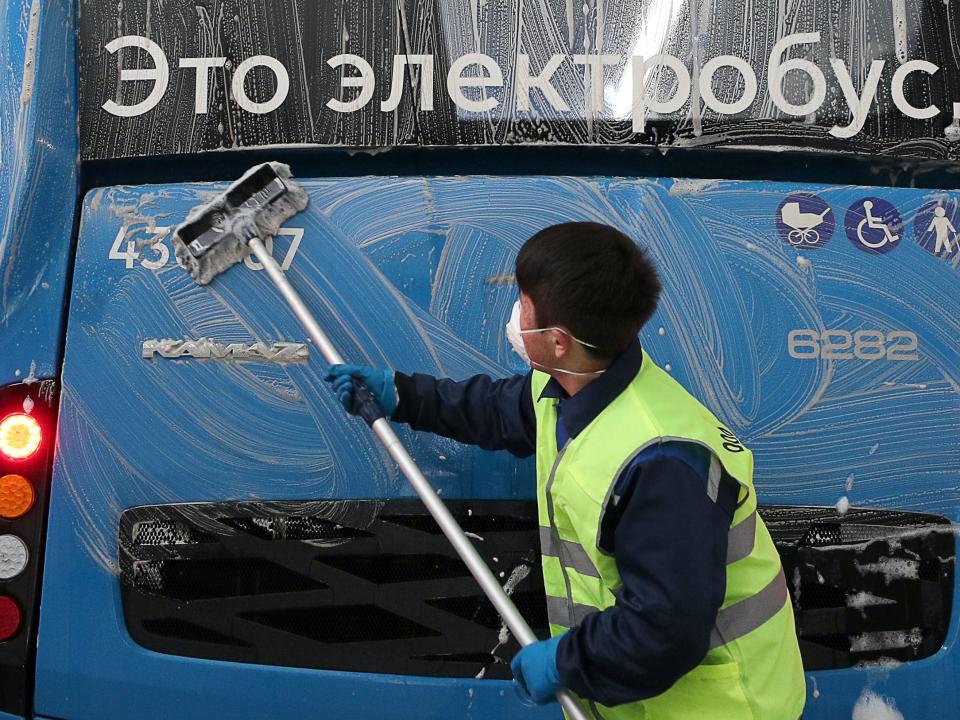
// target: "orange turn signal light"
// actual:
[[16, 496]]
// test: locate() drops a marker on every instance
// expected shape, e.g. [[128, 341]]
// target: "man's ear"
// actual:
[[561, 343]]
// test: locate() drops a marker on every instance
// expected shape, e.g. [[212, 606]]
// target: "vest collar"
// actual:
[[581, 409]]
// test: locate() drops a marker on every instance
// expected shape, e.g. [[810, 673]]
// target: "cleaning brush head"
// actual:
[[217, 234]]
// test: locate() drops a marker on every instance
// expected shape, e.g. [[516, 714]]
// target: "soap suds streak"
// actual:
[[871, 706], [517, 576], [886, 640], [30, 55]]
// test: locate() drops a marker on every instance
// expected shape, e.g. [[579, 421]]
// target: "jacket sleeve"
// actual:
[[669, 541], [493, 414]]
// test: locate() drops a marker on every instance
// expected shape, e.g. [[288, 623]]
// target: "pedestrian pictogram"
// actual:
[[804, 220], [937, 228], [874, 225]]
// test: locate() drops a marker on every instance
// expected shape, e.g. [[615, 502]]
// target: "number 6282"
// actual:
[[807, 344]]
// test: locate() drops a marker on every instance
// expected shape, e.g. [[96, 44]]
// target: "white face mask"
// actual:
[[515, 336]]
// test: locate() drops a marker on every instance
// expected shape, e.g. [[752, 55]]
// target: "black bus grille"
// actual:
[[360, 585], [374, 586], [870, 587]]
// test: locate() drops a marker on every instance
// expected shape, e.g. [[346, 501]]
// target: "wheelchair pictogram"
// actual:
[[874, 225]]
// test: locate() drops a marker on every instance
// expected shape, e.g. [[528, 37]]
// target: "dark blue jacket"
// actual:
[[668, 538]]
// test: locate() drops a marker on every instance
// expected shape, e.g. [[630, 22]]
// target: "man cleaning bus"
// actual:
[[665, 593]]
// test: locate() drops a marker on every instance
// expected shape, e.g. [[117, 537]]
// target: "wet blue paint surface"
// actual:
[[38, 159], [807, 356]]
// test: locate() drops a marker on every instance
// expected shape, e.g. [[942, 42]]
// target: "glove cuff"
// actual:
[[552, 672], [391, 398], [406, 389]]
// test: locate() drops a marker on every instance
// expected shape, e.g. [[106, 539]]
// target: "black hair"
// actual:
[[591, 279]]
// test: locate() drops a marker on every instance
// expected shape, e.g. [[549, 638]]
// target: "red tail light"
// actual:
[[20, 436], [10, 617]]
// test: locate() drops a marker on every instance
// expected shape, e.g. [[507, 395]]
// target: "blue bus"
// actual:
[[190, 525]]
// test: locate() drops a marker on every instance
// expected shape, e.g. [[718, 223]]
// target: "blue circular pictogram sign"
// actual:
[[874, 225], [805, 221], [937, 228]]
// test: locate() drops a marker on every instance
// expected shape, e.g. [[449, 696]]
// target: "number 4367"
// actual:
[[806, 344], [157, 245]]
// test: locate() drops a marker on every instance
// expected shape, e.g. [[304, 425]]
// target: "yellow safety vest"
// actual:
[[753, 668]]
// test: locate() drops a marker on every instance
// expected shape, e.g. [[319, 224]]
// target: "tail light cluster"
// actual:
[[27, 431]]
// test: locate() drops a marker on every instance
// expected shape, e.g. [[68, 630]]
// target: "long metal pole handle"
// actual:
[[388, 438]]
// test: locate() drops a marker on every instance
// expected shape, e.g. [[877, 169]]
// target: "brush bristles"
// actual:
[[238, 227]]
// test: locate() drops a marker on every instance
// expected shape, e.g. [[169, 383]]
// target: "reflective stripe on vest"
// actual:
[[567, 614], [741, 538], [740, 543], [571, 554], [713, 478], [750, 613], [732, 623]]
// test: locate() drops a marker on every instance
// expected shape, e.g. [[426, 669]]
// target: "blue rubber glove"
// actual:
[[379, 380], [535, 670]]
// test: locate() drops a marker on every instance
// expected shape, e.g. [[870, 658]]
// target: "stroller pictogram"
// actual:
[[803, 224]]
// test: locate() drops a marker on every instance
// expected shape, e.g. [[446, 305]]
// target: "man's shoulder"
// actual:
[[693, 454], [659, 460]]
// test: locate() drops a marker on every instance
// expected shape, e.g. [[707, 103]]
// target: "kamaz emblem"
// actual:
[[205, 349]]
